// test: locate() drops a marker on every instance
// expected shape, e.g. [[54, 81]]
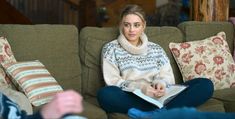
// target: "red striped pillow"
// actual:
[[34, 80]]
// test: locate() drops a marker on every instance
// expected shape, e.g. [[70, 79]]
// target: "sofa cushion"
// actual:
[[118, 116], [209, 58], [34, 80], [227, 96], [56, 46], [212, 105], [92, 112], [92, 40], [196, 30]]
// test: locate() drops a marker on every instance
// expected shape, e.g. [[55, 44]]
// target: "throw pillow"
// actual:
[[208, 58], [6, 56], [34, 80]]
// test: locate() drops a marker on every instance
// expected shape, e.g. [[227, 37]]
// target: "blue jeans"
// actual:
[[113, 99]]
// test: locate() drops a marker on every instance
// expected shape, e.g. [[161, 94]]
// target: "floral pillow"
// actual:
[[6, 56], [209, 58]]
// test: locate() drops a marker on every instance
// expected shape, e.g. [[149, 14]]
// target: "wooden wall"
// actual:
[[113, 8], [10, 15], [210, 10], [48, 11]]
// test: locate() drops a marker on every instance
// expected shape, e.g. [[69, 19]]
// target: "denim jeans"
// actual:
[[113, 99]]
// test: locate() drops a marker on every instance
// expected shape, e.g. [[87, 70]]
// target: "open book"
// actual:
[[171, 92]]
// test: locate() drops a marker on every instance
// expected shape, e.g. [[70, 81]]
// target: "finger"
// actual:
[[159, 87]]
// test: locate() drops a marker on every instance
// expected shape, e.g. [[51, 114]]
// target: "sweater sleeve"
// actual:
[[111, 73], [165, 75]]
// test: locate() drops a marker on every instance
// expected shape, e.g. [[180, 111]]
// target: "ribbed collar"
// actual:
[[131, 48]]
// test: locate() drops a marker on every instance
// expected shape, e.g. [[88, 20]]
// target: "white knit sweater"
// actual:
[[130, 67]]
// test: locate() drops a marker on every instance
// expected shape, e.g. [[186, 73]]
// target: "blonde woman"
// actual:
[[132, 62]]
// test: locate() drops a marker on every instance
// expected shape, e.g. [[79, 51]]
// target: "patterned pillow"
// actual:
[[208, 58], [6, 56], [34, 80]]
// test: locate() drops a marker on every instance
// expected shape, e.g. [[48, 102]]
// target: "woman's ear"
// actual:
[[144, 26], [120, 29]]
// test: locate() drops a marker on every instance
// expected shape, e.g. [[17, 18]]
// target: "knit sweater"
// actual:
[[130, 67]]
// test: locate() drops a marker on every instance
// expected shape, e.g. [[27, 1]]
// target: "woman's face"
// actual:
[[132, 27]]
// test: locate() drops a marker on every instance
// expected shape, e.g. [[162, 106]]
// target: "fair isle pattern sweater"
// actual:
[[130, 67]]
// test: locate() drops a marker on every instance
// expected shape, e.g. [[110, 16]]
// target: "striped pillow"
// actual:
[[34, 80]]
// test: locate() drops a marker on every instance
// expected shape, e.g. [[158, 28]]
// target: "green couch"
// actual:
[[73, 58]]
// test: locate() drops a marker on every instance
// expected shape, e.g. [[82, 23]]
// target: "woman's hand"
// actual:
[[148, 90], [160, 90]]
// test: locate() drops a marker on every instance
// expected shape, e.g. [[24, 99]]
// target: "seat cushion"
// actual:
[[117, 116], [227, 96], [92, 112], [212, 105]]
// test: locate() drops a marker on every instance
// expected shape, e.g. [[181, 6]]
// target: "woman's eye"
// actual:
[[137, 25], [126, 25]]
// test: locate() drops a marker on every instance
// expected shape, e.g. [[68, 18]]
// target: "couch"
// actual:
[[73, 57]]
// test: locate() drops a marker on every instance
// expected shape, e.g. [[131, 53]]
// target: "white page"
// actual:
[[171, 92]]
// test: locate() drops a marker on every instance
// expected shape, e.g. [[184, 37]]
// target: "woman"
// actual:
[[132, 62]]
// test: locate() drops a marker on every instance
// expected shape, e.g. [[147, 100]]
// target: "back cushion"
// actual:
[[56, 46], [92, 40], [196, 30]]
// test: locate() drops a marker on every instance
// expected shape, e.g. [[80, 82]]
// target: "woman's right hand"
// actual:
[[160, 90], [156, 90], [149, 91]]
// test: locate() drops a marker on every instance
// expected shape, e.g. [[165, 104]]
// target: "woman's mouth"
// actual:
[[132, 35]]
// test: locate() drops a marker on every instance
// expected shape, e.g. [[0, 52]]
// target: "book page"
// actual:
[[171, 92], [139, 93]]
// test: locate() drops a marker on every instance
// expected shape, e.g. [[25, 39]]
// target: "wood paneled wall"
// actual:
[[210, 10], [113, 7], [10, 15], [48, 11]]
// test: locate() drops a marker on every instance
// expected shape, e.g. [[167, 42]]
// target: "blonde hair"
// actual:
[[133, 9]]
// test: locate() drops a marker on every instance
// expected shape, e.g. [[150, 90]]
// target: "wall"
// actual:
[[47, 11]]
